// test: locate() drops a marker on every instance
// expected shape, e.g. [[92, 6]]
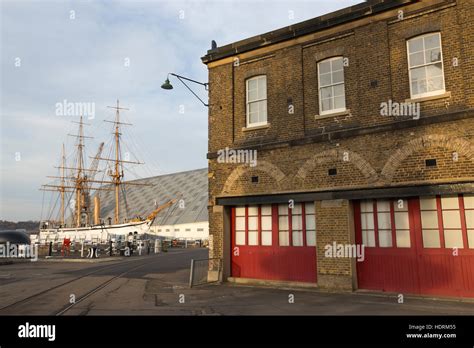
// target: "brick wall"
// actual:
[[291, 157]]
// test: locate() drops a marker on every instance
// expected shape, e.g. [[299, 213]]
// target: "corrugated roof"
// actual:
[[190, 186]]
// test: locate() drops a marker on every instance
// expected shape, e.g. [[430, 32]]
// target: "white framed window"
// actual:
[[425, 65], [240, 226], [256, 88], [332, 96]]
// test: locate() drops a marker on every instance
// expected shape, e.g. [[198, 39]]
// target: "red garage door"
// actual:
[[417, 245], [274, 242]]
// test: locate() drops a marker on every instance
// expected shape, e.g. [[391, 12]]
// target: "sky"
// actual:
[[96, 52]]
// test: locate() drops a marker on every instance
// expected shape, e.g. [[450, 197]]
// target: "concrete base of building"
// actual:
[[335, 282], [213, 276], [272, 283]]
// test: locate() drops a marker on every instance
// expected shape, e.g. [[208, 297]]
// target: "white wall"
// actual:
[[180, 231]]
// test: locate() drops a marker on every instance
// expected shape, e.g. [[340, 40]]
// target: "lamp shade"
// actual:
[[167, 85]]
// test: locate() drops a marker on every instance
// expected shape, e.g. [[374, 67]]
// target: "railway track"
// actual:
[[10, 308]]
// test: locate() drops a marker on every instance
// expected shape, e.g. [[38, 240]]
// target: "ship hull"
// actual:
[[99, 233]]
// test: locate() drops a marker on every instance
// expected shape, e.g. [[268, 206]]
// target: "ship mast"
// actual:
[[117, 175], [80, 177], [63, 184]]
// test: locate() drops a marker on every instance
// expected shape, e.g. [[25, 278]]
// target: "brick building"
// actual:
[[362, 125]]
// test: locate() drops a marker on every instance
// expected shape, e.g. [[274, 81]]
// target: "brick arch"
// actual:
[[264, 166], [461, 146], [330, 155]]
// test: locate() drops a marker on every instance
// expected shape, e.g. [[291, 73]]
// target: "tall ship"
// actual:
[[78, 191]]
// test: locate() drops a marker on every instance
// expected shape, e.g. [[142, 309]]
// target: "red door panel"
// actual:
[[417, 270], [275, 262]]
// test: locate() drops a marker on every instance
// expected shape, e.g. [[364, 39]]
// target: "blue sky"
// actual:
[[83, 60]]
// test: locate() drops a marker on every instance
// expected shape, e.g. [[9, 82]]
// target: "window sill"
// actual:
[[246, 129], [333, 114], [431, 97]]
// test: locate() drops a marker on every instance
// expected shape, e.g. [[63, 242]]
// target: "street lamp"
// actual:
[[167, 85]]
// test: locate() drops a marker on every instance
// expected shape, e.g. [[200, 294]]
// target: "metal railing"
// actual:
[[205, 271]]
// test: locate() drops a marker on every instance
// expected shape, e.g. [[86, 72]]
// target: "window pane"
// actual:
[[309, 208], [432, 41], [367, 221], [324, 67], [266, 237], [297, 238], [383, 206], [311, 238], [253, 238], [368, 238], [339, 90], [266, 222], [283, 223], [339, 102], [297, 209], [324, 80], [326, 104], [414, 88], [240, 238], [468, 201], [421, 86], [326, 92], [470, 238], [253, 117], [435, 84], [385, 238], [337, 64], [417, 59], [415, 45], [428, 203], [283, 238], [433, 55], [429, 219], [311, 222], [366, 206], [403, 238], [266, 210], [253, 210], [338, 76], [431, 239], [402, 221], [469, 218], [240, 223], [253, 220], [434, 70], [453, 239], [384, 221], [252, 95], [418, 74], [297, 222], [252, 84], [451, 219], [253, 107], [240, 211], [283, 209]]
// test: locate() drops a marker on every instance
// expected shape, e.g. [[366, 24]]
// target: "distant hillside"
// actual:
[[29, 226]]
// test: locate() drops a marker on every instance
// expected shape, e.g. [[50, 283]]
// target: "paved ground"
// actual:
[[157, 285]]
